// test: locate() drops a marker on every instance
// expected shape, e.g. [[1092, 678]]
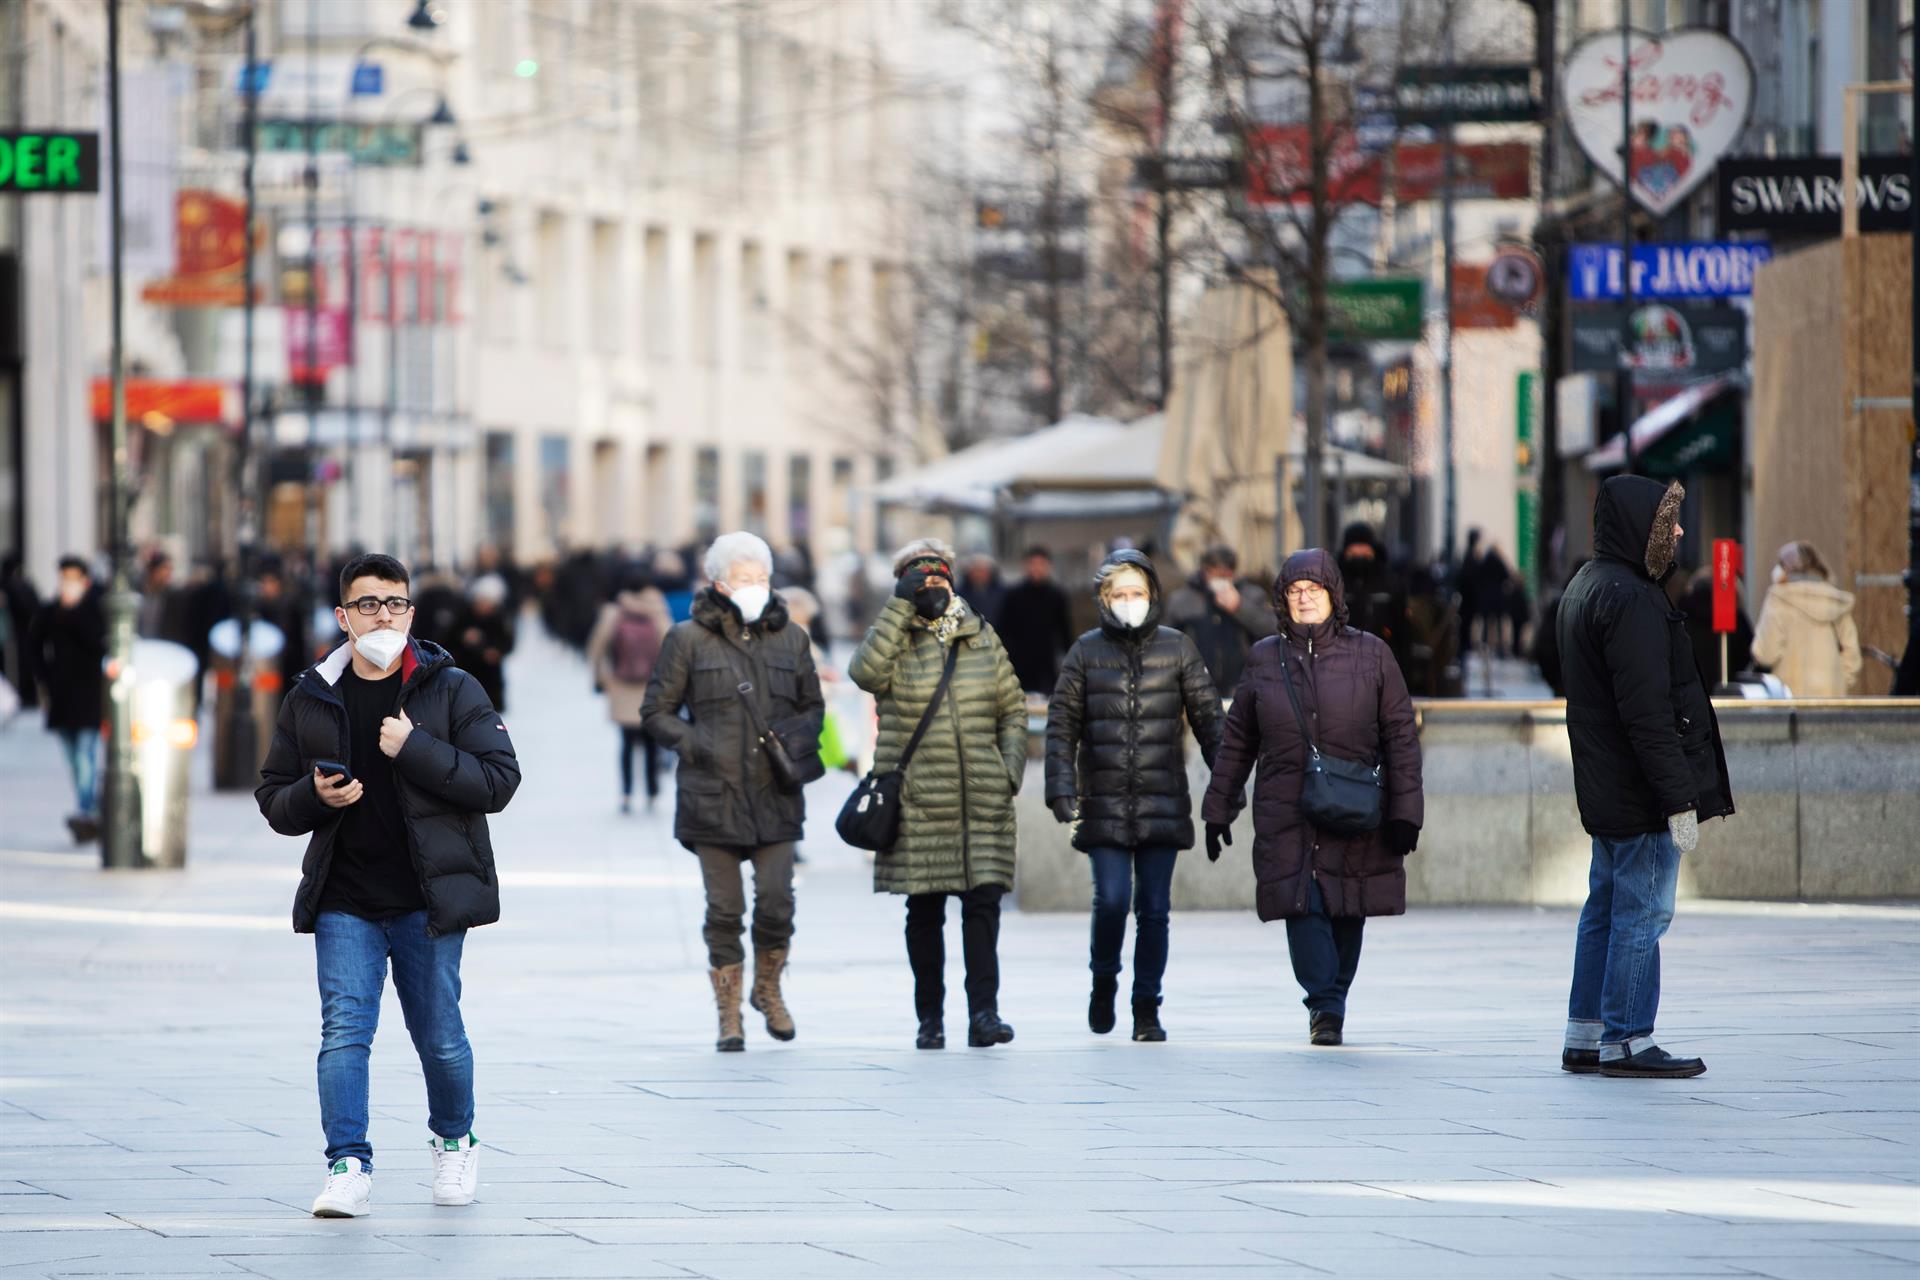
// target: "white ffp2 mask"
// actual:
[[751, 602], [380, 647], [1131, 613]]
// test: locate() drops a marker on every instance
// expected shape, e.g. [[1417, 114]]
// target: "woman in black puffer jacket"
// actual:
[[1116, 757]]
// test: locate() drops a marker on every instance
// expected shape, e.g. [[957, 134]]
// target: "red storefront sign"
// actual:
[[1279, 165], [194, 401], [1726, 575], [312, 358]]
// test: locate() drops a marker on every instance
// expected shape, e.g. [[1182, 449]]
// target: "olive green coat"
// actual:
[[956, 809]]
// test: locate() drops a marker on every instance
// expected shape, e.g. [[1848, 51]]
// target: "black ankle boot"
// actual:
[[984, 1030], [933, 1035], [1146, 1022], [1100, 1016], [1326, 1028]]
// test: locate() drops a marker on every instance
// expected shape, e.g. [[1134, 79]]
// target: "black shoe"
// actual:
[[1325, 1028], [984, 1030], [83, 828], [1581, 1062], [1100, 1008], [933, 1035], [1146, 1022], [1652, 1063]]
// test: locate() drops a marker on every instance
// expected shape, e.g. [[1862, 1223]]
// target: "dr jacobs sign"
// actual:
[[49, 162], [1690, 270]]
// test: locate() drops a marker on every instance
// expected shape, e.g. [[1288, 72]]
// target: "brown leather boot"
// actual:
[[726, 998], [766, 992]]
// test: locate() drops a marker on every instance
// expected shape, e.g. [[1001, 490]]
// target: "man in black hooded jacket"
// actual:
[[1647, 768]]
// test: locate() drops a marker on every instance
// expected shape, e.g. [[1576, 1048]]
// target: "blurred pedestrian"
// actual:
[[279, 605], [485, 637], [1697, 604], [1034, 623], [1433, 667], [1467, 592], [1116, 762], [1647, 769], [671, 576], [930, 657], [1376, 593], [747, 678], [982, 588], [1224, 615], [1320, 689], [389, 758], [1806, 634], [19, 602], [66, 646], [621, 653]]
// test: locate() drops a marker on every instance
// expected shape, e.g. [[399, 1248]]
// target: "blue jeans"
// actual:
[[1115, 874], [1616, 957], [351, 955], [81, 747], [1326, 953]]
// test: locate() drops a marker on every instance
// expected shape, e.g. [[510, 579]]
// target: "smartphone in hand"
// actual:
[[329, 768]]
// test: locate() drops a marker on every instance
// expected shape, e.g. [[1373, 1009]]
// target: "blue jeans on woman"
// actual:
[[81, 748], [1116, 873], [1616, 956], [351, 955]]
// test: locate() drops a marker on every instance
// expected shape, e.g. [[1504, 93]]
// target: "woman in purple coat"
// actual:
[[1356, 707]]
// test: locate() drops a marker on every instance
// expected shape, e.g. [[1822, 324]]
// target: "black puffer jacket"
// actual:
[[1645, 741], [64, 650], [726, 794], [1115, 740], [457, 768]]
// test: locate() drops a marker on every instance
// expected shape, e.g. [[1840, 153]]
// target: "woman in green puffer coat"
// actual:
[[956, 817]]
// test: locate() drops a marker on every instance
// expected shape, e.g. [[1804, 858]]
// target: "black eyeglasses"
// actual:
[[370, 605]]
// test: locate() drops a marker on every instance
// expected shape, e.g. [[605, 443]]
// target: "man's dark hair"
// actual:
[[372, 565], [78, 565], [1219, 558], [1042, 552]]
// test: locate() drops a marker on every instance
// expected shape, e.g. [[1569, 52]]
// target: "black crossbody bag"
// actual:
[[1339, 796], [870, 819], [792, 746]]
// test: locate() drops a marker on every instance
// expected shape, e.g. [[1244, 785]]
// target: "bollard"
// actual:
[[164, 736]]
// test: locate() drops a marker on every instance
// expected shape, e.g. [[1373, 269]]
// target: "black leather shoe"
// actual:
[[1325, 1028], [932, 1035], [1146, 1022], [1582, 1062], [1652, 1063], [984, 1030], [1100, 1017]]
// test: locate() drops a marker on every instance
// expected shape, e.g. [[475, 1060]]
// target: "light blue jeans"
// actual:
[[81, 748], [351, 956], [1616, 956]]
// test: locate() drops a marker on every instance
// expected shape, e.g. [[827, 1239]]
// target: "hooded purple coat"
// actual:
[[1356, 704]]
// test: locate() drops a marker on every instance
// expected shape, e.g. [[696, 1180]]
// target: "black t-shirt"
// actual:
[[372, 875]]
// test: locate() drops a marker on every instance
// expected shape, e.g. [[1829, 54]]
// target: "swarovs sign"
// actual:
[[1802, 194], [1692, 91]]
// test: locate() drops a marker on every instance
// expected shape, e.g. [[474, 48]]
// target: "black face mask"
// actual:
[[932, 603]]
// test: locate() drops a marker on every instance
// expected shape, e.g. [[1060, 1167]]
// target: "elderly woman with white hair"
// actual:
[[749, 743], [930, 658]]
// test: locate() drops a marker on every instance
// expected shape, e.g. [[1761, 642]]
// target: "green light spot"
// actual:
[[526, 68]]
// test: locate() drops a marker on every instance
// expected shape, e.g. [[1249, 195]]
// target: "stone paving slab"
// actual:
[[157, 1115]]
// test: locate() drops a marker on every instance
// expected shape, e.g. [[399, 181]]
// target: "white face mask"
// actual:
[[380, 647], [1131, 613], [751, 602]]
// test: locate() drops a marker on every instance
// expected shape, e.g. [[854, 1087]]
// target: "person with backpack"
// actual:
[[621, 652]]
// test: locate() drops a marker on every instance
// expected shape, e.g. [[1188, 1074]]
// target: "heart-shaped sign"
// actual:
[[1692, 91]]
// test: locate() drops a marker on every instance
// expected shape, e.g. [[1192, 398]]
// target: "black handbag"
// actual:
[[870, 819], [1339, 796], [792, 745]]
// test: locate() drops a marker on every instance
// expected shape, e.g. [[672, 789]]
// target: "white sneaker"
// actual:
[[348, 1193], [456, 1169]]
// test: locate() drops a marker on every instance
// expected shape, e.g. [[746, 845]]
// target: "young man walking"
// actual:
[[389, 758], [1647, 769]]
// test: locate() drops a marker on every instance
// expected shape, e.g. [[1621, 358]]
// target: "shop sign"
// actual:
[[1669, 344], [1800, 195], [1698, 269], [1280, 164], [49, 162], [1692, 91], [1385, 309], [1487, 93]]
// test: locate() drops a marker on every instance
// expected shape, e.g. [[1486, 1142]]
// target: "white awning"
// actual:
[[1081, 452], [1656, 422]]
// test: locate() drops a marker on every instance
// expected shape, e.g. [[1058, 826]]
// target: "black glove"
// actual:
[[1402, 837], [913, 579], [1062, 808], [1218, 833]]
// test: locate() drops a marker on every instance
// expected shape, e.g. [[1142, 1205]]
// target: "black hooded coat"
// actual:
[[1646, 743], [1116, 742]]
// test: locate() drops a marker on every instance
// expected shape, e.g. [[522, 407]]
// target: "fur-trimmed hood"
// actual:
[[1633, 520]]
